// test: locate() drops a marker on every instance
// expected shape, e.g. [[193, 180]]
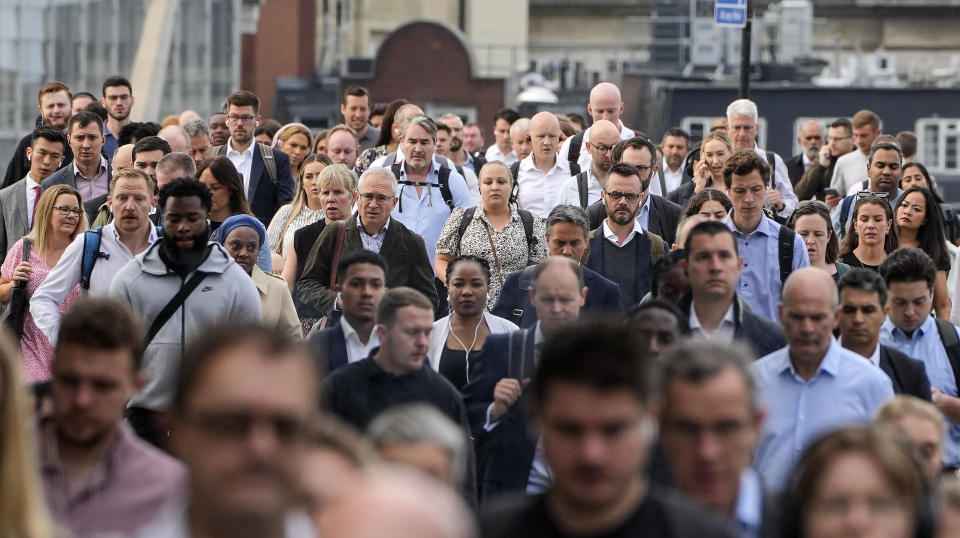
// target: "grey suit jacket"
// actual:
[[13, 214], [65, 176]]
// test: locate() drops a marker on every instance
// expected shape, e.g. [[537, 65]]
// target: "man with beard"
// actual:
[[118, 100], [181, 286], [99, 478], [54, 103], [131, 197], [458, 152], [613, 251], [811, 138]]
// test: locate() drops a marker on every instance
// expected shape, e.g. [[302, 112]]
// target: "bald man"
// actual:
[[605, 104], [584, 188], [176, 137], [813, 385], [542, 173], [123, 158]]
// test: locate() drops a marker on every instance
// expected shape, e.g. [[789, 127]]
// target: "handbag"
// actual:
[[19, 303]]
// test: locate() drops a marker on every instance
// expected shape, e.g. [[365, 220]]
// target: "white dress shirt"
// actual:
[[243, 162], [672, 179], [569, 192], [357, 350], [849, 171], [612, 236], [585, 160], [538, 190], [723, 332], [494, 154], [29, 185]]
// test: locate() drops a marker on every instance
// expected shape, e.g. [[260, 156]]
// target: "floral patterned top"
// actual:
[[34, 346], [511, 244], [366, 158]]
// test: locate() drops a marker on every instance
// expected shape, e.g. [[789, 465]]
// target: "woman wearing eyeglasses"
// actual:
[[57, 221], [872, 234], [811, 221], [920, 225], [495, 232]]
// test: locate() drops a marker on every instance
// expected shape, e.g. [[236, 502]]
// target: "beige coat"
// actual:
[[277, 304]]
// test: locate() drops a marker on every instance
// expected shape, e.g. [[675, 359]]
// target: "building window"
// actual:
[[938, 141]]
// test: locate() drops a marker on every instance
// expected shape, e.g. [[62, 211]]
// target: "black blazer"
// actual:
[[509, 448], [795, 168], [264, 196], [764, 336], [329, 349], [513, 304], [909, 376], [664, 217]]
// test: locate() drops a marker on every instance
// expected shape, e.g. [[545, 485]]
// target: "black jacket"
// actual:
[[909, 376], [764, 336], [265, 196], [795, 168], [664, 217]]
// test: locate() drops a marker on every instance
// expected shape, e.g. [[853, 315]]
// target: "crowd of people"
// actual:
[[230, 327]]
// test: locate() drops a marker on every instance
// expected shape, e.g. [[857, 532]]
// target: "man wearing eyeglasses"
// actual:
[[816, 179], [621, 250], [268, 185], [584, 188], [373, 229]]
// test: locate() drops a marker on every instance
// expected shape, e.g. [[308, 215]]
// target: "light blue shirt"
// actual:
[[644, 216], [425, 214], [759, 283], [925, 345], [845, 390], [748, 513]]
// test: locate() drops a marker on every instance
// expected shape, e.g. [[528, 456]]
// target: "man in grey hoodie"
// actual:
[[153, 279]]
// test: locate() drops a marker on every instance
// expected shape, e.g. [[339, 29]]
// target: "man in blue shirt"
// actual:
[[746, 176], [911, 329], [813, 385], [421, 206]]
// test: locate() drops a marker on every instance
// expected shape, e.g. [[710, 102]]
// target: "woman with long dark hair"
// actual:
[[919, 224]]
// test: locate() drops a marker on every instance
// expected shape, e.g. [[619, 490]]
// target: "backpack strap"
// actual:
[[526, 218], [515, 172], [574, 168], [582, 188], [444, 181], [573, 154], [948, 337], [91, 251], [785, 240], [772, 161], [268, 161], [464, 222], [844, 214], [175, 303]]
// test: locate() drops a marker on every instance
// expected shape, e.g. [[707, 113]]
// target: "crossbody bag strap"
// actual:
[[171, 307], [25, 258], [493, 248]]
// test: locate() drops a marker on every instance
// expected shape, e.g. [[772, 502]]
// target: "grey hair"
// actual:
[[523, 124], [452, 116], [424, 122], [743, 107], [383, 173], [697, 361], [196, 127], [176, 160], [418, 424], [569, 213]]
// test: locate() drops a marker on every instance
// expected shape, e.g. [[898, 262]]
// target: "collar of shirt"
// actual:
[[612, 237], [111, 227], [538, 337], [644, 213], [349, 333], [30, 180], [874, 357], [828, 365], [433, 174], [695, 322], [897, 334], [749, 509], [765, 227], [101, 169], [245, 153], [805, 160], [527, 165], [364, 230]]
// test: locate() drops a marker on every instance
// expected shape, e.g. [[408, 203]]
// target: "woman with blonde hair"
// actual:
[[715, 148], [296, 141], [23, 513], [306, 207], [58, 220]]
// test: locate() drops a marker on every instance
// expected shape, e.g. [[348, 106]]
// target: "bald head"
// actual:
[[123, 157], [176, 137], [810, 283], [545, 136], [605, 103], [604, 135], [187, 115]]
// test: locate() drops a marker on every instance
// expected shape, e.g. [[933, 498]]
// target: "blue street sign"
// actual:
[[730, 13]]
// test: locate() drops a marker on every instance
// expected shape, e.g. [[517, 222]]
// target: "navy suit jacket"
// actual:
[[909, 376], [329, 349], [507, 451], [795, 168], [602, 295], [264, 196]]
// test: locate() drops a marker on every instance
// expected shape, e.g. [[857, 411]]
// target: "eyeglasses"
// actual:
[[246, 120], [628, 196], [380, 199], [868, 194], [64, 210], [601, 148], [643, 169]]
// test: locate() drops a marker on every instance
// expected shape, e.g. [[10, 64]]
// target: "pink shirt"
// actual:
[[34, 346]]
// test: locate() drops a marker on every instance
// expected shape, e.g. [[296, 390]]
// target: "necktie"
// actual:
[[36, 198]]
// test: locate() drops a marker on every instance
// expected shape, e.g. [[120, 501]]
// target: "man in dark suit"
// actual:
[[567, 232], [269, 183], [811, 139], [361, 282], [712, 306], [371, 228], [863, 294], [657, 214], [493, 395], [18, 202]]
